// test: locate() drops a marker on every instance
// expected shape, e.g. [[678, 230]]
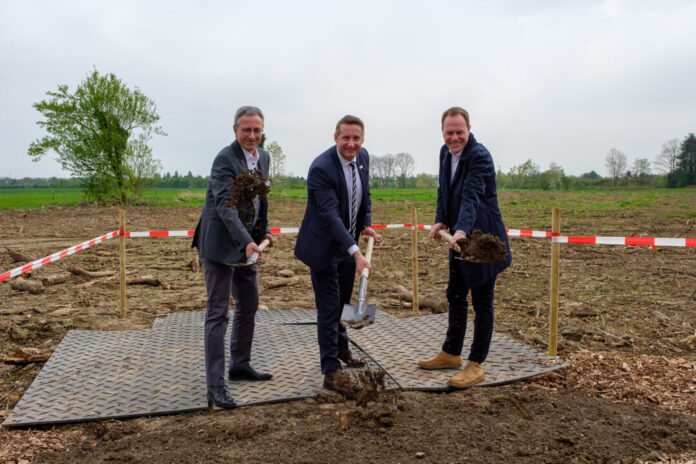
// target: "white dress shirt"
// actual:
[[252, 163], [347, 170]]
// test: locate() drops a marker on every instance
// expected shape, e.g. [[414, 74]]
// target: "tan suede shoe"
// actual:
[[441, 361], [470, 375]]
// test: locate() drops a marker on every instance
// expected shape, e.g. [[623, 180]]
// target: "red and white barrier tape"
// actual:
[[56, 256], [629, 241], [639, 241]]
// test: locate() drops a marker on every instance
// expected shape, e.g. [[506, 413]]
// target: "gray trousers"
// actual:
[[221, 281]]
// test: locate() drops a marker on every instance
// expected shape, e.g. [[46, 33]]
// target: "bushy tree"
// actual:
[[277, 167], [524, 175], [100, 134], [686, 161]]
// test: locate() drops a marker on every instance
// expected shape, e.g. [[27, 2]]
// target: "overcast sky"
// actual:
[[550, 81]]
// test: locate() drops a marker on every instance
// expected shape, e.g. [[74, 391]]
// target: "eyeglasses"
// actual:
[[249, 130]]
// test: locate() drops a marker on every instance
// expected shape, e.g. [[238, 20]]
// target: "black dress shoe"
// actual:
[[347, 357], [219, 396], [248, 373]]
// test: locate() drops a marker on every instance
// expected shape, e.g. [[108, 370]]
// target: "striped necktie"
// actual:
[[354, 201]]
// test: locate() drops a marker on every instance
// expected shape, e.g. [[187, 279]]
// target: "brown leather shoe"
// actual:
[[441, 361], [467, 377], [341, 387], [347, 357]]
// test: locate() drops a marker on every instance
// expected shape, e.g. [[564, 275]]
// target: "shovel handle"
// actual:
[[448, 237], [255, 255], [368, 254]]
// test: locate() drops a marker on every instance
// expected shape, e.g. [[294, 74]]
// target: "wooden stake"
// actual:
[[555, 272], [414, 258], [122, 260]]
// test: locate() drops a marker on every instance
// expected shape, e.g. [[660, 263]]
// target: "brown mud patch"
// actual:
[[626, 326]]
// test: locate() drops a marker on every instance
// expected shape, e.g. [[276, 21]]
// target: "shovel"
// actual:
[[254, 256], [362, 315]]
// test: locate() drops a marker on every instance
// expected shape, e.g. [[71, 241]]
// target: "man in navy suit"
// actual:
[[225, 236], [466, 201], [338, 212]]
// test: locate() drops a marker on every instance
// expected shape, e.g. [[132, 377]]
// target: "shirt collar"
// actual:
[[345, 162], [456, 156], [249, 157]]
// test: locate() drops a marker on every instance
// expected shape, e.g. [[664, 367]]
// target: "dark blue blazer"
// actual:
[[469, 203], [324, 235], [223, 232]]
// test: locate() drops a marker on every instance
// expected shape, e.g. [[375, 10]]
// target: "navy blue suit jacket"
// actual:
[[223, 232], [324, 235], [470, 202]]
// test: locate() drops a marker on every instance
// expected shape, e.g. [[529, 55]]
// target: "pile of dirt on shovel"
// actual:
[[246, 186], [482, 248]]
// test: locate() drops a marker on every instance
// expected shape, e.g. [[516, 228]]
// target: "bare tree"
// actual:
[[405, 165], [666, 161], [377, 170], [641, 170], [615, 162], [389, 167]]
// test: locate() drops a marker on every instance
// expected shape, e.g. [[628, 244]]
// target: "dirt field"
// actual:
[[627, 325]]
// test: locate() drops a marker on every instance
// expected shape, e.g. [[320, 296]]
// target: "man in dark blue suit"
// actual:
[[338, 212], [466, 201], [225, 236]]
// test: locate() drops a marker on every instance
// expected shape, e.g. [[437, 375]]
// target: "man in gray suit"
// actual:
[[225, 236]]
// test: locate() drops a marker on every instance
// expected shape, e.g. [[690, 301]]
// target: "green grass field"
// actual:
[[579, 202]]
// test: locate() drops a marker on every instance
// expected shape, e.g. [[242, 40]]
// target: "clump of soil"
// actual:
[[363, 386], [246, 186], [482, 248]]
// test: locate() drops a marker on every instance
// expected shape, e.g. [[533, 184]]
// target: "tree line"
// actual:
[[674, 166]]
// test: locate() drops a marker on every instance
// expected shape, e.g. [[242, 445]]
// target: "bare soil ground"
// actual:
[[627, 326]]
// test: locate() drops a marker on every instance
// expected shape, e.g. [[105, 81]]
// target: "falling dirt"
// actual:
[[243, 189], [362, 386], [482, 248], [246, 186]]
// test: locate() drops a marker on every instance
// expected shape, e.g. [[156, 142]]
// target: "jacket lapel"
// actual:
[[342, 187]]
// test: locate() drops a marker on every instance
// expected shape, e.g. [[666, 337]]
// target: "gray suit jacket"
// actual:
[[223, 232]]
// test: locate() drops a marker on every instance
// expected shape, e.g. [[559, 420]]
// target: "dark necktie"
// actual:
[[354, 201]]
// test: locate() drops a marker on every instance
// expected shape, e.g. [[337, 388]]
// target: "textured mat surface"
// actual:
[[118, 374]]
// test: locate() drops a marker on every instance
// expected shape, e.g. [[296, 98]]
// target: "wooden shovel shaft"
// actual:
[[447, 237], [368, 254], [255, 255]]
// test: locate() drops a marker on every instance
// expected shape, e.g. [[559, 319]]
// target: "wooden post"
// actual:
[[414, 257], [122, 260], [555, 272]]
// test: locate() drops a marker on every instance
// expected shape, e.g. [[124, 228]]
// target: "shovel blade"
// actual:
[[349, 316], [356, 319]]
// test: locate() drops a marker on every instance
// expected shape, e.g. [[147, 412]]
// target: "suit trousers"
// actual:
[[482, 301], [222, 280], [333, 287]]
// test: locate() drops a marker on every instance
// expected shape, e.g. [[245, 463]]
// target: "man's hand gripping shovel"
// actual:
[[361, 315], [255, 255]]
